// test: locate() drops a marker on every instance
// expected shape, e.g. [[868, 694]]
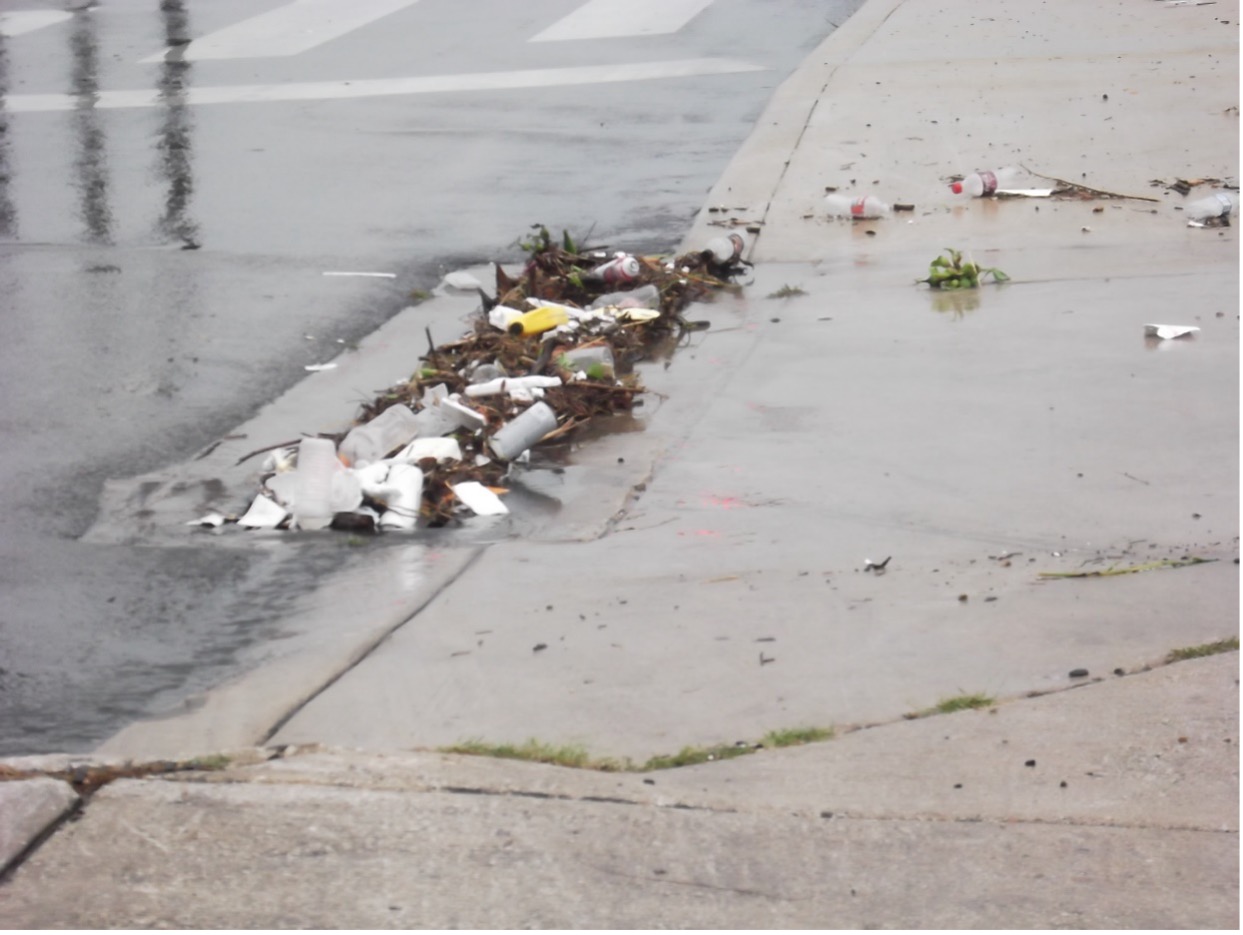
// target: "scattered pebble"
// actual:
[[1078, 673], [1030, 763], [539, 647]]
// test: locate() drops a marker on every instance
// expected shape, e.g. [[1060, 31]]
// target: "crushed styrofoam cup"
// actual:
[[442, 449], [264, 513], [1169, 331], [467, 417], [479, 498], [282, 486]]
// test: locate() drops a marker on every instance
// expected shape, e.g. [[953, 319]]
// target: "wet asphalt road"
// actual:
[[162, 258]]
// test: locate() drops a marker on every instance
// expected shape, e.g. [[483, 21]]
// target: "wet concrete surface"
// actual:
[[801, 437], [161, 272]]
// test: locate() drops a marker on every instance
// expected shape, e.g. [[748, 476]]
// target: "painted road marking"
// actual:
[[288, 30], [18, 22], [386, 87], [611, 19]]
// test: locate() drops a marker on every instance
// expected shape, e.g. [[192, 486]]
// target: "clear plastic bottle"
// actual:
[[1219, 205], [984, 182], [595, 361], [388, 431], [644, 297], [726, 251], [863, 208]]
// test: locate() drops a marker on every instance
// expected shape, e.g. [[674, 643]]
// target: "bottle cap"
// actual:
[[956, 188]]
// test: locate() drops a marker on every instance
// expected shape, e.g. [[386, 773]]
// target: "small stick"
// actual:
[[259, 451], [1089, 188]]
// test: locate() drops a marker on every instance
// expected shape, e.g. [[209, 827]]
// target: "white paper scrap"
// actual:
[[264, 513], [211, 519], [1024, 192], [479, 498], [1169, 331], [462, 280]]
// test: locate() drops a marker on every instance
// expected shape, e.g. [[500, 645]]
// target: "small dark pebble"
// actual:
[[962, 598], [870, 233], [660, 873], [826, 814], [539, 647], [1030, 763], [1063, 784], [987, 599], [1078, 673], [649, 782], [958, 785], [1119, 672]]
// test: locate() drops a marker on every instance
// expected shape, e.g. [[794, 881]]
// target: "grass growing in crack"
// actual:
[[786, 292], [956, 703], [964, 703], [689, 756], [576, 757], [533, 751], [210, 762], [1204, 649], [794, 736]]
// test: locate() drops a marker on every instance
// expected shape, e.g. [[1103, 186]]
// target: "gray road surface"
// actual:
[[162, 245]]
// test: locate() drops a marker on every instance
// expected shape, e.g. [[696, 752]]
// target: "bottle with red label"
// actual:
[[984, 182], [621, 270], [862, 208]]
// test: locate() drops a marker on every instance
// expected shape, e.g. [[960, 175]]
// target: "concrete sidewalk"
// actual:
[[1026, 815], [720, 591]]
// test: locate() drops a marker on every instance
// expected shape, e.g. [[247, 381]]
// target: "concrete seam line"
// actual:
[[73, 811], [364, 651], [1010, 822]]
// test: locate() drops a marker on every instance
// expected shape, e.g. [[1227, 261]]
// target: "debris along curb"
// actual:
[[553, 350]]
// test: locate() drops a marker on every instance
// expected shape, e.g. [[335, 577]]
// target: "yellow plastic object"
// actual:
[[539, 320]]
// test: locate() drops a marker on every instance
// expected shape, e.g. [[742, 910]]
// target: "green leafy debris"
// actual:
[[948, 271]]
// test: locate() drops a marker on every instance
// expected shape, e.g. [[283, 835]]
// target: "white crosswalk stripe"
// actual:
[[610, 19], [288, 30], [19, 22], [384, 87]]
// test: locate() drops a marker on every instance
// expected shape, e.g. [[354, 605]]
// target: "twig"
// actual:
[[259, 451], [1110, 572], [1088, 188]]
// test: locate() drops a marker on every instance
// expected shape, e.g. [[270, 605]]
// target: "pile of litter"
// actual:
[[553, 349]]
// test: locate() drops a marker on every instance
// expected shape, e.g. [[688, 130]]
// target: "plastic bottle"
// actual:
[[595, 361], [1219, 205], [517, 436], [644, 297], [858, 209], [985, 182], [623, 268], [726, 251], [371, 441], [538, 320], [317, 465]]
